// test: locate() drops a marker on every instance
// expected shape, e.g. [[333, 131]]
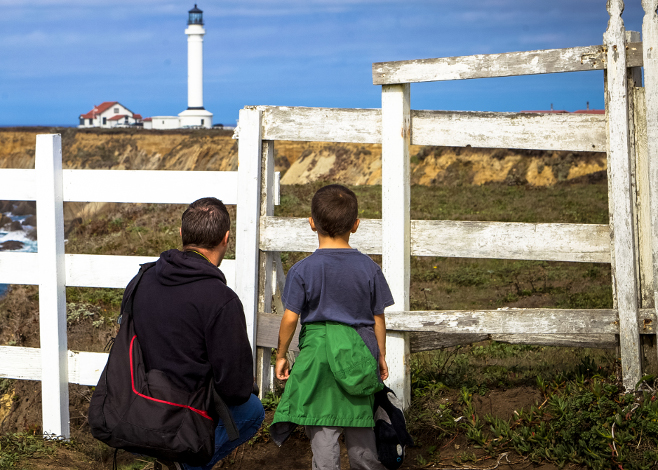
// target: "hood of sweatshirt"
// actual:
[[175, 268]]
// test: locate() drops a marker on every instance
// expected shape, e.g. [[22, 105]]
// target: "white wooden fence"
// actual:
[[628, 133], [49, 185]]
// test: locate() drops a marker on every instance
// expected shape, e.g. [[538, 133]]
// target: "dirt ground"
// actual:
[[86, 453]]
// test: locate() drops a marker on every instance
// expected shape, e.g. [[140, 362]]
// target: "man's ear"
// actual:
[[180, 231], [225, 239], [356, 225], [312, 222]]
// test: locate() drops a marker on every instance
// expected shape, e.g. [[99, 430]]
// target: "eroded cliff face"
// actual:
[[302, 162]]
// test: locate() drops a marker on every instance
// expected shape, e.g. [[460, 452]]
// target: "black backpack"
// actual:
[[144, 412], [391, 434]]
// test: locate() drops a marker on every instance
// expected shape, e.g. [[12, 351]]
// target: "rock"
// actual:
[[32, 234], [4, 220], [25, 208], [31, 220], [11, 245], [15, 226], [6, 206]]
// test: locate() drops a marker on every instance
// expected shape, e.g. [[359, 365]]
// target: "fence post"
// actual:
[[649, 48], [247, 220], [266, 265], [396, 240], [52, 287], [621, 201]]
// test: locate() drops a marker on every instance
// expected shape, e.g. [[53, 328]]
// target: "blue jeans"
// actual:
[[248, 418]]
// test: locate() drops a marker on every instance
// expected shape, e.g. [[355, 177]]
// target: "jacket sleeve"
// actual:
[[229, 353]]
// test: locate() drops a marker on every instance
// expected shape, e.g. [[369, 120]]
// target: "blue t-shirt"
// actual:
[[337, 284]]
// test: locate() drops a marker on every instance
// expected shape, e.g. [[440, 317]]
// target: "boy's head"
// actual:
[[205, 223], [334, 210]]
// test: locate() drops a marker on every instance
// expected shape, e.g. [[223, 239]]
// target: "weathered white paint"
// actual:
[[84, 368], [86, 270], [511, 240], [569, 132], [573, 59], [642, 199], [449, 238], [321, 124], [18, 185], [149, 186], [246, 243], [266, 268], [295, 234], [620, 195], [52, 292], [396, 226], [650, 56], [517, 320]]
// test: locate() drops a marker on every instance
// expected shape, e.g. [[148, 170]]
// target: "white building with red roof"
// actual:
[[109, 114]]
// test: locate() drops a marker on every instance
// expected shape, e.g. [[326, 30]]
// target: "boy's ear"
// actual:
[[312, 223], [225, 239], [356, 225]]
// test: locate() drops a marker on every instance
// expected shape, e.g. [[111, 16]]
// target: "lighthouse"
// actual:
[[195, 115]]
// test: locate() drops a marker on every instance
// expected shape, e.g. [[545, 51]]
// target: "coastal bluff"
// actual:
[[299, 162]]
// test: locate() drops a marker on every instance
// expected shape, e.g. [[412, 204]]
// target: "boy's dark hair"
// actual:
[[334, 210], [205, 223]]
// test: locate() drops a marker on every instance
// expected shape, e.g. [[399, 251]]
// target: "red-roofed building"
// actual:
[[109, 114]]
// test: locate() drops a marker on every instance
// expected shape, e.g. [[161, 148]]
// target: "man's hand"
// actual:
[[282, 369], [383, 368]]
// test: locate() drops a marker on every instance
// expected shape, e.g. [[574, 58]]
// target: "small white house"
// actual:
[[164, 122], [109, 114]]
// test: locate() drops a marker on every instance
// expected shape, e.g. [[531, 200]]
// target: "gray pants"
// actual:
[[360, 443]]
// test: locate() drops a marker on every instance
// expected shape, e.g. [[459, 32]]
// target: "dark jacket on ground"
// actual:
[[191, 326]]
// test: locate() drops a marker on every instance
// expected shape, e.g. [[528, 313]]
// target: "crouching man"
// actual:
[[192, 327]]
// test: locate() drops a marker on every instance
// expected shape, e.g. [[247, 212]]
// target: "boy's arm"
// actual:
[[380, 334], [286, 332]]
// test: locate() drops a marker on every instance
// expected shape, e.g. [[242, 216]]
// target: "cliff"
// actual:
[[302, 162]]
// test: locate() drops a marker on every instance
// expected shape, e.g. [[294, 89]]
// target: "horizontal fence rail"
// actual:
[[518, 320], [85, 368], [457, 239], [127, 186], [573, 59], [109, 271], [540, 131], [567, 132]]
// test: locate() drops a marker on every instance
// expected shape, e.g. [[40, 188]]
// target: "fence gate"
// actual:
[[628, 133]]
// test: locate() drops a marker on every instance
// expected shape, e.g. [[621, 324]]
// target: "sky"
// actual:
[[59, 58]]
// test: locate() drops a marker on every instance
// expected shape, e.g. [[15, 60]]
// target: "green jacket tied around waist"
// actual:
[[333, 380]]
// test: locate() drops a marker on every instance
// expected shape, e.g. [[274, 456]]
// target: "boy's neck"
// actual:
[[339, 241]]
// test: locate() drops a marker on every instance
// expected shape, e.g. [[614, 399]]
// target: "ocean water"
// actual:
[[29, 246]]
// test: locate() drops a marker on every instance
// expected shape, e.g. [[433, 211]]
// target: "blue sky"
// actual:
[[58, 58]]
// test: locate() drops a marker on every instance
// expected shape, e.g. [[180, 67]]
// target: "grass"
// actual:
[[582, 399]]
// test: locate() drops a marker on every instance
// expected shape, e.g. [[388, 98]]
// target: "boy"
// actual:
[[340, 295]]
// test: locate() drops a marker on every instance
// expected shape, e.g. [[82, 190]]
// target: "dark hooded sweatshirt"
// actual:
[[191, 326]]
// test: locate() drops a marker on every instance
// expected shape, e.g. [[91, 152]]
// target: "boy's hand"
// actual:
[[383, 367], [282, 369]]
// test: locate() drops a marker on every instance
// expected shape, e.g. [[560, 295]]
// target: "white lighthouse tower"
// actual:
[[195, 115]]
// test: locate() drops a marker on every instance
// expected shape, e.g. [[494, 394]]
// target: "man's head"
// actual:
[[205, 223], [334, 210]]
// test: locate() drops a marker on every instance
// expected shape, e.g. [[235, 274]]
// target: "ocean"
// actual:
[[29, 246]]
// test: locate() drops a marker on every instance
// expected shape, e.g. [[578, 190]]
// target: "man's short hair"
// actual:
[[334, 210], [205, 223]]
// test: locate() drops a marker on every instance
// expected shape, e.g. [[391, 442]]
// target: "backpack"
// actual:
[[391, 434], [143, 412]]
